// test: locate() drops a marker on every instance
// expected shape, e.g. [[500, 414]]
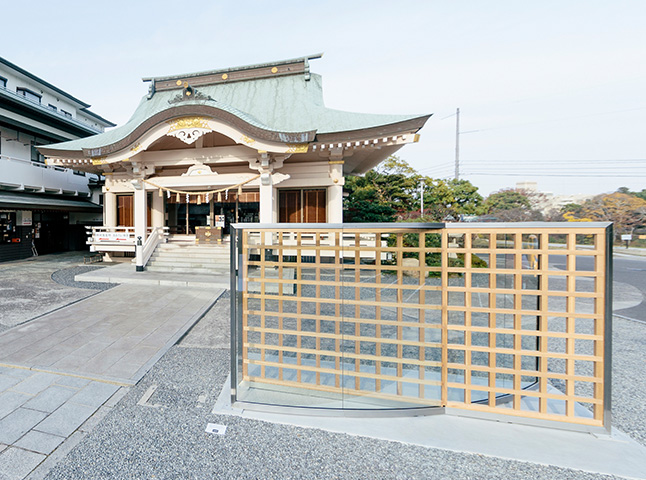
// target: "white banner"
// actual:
[[113, 237]]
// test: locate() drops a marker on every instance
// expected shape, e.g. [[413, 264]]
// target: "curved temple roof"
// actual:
[[280, 101]]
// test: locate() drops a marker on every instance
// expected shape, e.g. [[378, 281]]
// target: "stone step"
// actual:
[[169, 246], [188, 263], [220, 253], [188, 270], [186, 259], [179, 255]]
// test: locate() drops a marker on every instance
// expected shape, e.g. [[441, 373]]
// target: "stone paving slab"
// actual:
[[37, 423], [16, 463], [113, 336], [66, 419], [40, 442], [95, 394], [10, 401], [17, 423], [35, 384], [50, 399]]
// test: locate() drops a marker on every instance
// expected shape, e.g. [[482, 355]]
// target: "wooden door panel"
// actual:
[[125, 211], [306, 206]]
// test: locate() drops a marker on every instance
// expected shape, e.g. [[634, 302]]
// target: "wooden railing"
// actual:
[[510, 319], [117, 239], [156, 236]]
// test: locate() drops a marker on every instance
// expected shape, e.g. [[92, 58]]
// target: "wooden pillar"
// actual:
[[335, 192], [109, 209], [266, 198], [335, 204], [157, 217]]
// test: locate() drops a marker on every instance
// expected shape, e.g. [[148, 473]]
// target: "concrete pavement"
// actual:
[[61, 372], [114, 336]]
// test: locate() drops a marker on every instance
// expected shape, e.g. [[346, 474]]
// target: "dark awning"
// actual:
[[26, 201]]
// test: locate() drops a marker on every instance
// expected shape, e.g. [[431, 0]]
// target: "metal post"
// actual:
[[607, 343], [421, 187], [234, 313], [457, 144], [139, 255]]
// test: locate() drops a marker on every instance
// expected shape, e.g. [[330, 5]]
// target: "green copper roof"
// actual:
[[288, 103]]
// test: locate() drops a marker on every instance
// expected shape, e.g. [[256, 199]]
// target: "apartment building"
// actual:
[[43, 209]]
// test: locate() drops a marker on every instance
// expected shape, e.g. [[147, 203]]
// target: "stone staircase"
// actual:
[[184, 256]]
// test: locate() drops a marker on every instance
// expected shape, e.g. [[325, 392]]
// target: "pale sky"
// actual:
[[552, 87]]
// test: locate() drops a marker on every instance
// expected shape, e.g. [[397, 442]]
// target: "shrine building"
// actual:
[[244, 144]]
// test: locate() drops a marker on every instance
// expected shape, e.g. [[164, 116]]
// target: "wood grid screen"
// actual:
[[505, 320]]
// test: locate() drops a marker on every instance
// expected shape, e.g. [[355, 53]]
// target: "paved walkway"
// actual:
[[61, 373], [39, 411], [114, 336]]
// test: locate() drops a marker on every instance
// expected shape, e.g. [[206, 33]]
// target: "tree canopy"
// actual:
[[626, 211], [507, 199], [392, 192]]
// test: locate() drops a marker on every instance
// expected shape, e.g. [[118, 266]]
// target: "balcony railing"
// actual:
[[25, 174], [505, 319], [34, 104]]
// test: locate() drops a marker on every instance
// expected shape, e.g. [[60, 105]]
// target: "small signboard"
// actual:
[[112, 237], [626, 238], [216, 428], [23, 217], [219, 221]]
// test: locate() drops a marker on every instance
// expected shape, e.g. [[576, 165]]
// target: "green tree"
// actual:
[[380, 195], [391, 192], [507, 199], [512, 205], [466, 199]]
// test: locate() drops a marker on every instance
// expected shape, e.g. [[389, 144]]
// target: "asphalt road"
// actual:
[[629, 275], [632, 270]]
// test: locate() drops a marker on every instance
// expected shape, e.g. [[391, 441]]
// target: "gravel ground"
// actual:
[[66, 276], [28, 291], [169, 442]]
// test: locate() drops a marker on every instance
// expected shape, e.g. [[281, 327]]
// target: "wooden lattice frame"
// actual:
[[315, 329]]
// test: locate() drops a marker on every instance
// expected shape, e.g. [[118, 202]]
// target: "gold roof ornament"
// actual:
[[189, 129]]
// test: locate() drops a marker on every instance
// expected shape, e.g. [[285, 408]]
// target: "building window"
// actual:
[[28, 94], [67, 114], [3, 82]]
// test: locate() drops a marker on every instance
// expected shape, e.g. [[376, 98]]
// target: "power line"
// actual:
[[551, 120], [563, 169], [555, 160], [530, 174]]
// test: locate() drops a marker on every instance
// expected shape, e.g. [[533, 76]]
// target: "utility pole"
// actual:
[[421, 187], [457, 144]]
